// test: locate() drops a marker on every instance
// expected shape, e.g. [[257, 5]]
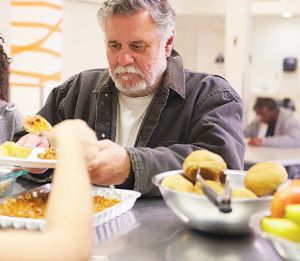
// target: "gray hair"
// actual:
[[160, 10]]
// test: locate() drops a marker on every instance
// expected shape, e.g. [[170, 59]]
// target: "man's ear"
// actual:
[[169, 44]]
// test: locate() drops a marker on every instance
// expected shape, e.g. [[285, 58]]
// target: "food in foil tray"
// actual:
[[33, 205]]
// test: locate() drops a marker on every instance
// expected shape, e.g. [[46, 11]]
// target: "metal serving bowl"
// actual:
[[288, 250], [199, 213]]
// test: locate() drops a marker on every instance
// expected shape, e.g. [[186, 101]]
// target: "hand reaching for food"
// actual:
[[33, 141], [111, 165]]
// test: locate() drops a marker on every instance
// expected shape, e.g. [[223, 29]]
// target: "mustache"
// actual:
[[128, 69]]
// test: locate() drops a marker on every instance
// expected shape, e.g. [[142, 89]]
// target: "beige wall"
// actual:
[[199, 39], [83, 42], [273, 38]]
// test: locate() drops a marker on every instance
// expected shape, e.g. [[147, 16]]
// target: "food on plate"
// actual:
[[292, 212], [284, 220], [11, 149], [263, 178], [36, 124], [211, 165], [50, 153], [210, 183], [177, 182], [242, 193], [281, 227], [29, 206], [287, 194]]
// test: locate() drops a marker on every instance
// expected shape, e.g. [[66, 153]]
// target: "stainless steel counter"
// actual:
[[150, 231]]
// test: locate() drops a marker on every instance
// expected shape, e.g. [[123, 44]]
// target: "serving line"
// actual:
[[150, 231]]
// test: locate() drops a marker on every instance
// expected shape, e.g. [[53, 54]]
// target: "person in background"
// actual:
[[148, 111], [67, 234], [11, 120], [283, 130]]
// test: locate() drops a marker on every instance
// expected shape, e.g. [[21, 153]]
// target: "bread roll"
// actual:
[[211, 165], [242, 193], [210, 183], [263, 178], [177, 182]]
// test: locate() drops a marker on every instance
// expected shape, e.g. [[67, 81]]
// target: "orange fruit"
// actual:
[[287, 194]]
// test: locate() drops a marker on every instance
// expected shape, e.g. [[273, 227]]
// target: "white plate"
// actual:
[[31, 162], [127, 198]]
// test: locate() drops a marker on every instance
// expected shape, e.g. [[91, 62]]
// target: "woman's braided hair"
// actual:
[[4, 64]]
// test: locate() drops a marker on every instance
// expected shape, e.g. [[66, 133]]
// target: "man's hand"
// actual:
[[255, 141], [111, 165], [33, 141]]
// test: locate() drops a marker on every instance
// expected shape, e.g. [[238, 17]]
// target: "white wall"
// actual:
[[83, 45], [83, 42], [273, 39], [199, 39], [4, 19]]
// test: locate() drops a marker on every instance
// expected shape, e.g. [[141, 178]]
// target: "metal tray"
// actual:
[[127, 198], [114, 228]]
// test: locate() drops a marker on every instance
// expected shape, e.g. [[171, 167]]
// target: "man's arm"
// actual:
[[219, 130]]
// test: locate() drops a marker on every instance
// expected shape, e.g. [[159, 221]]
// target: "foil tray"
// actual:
[[127, 198], [114, 228]]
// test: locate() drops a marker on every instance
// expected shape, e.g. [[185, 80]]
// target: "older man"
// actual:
[[148, 111]]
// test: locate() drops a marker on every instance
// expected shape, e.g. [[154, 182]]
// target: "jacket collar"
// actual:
[[173, 77]]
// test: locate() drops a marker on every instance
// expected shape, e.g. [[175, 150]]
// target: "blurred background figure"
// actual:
[[282, 129], [275, 126], [11, 120], [287, 103]]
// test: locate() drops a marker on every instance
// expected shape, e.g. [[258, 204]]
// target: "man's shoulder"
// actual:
[[88, 79], [205, 77], [285, 111], [92, 73], [208, 83], [286, 115]]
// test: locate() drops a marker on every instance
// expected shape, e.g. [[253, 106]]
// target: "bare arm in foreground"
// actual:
[[67, 235]]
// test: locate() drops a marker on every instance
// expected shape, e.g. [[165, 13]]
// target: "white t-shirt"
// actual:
[[130, 115]]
